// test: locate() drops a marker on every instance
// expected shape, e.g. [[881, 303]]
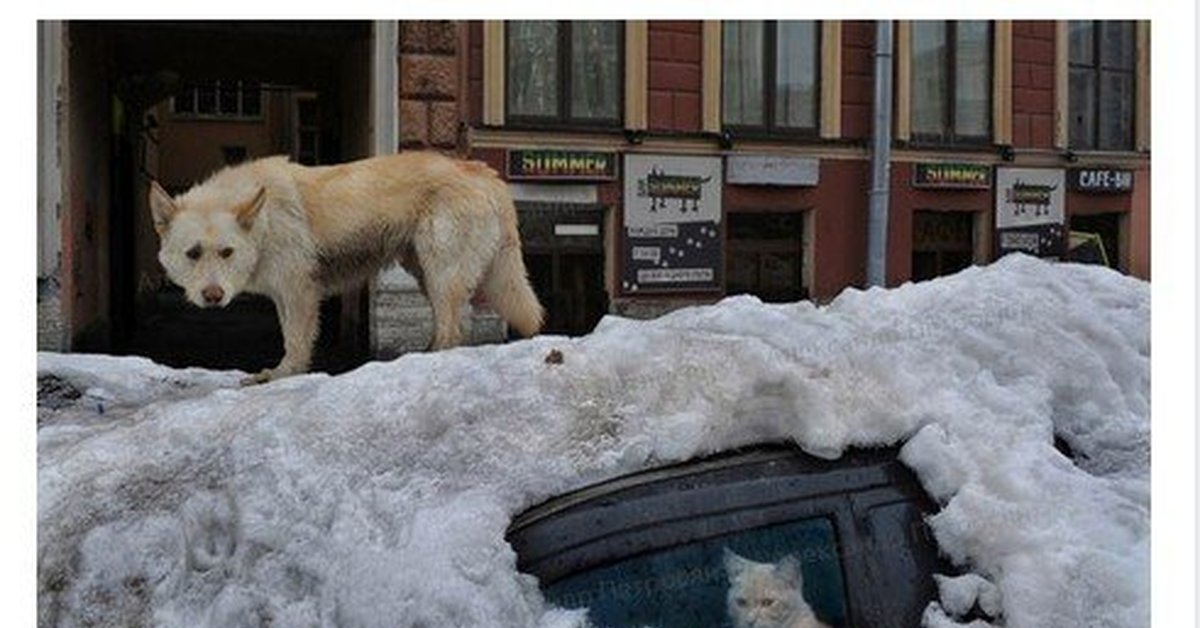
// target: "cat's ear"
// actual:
[[734, 564], [789, 570]]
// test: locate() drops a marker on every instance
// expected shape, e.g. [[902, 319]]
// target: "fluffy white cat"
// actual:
[[767, 595]]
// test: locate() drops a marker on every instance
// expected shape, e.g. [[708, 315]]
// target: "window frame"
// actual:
[[564, 119], [950, 103], [1097, 69], [193, 92], [770, 49]]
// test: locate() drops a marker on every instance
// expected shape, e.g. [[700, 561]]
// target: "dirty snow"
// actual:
[[380, 497]]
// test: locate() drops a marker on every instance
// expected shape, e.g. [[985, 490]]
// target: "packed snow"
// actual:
[[380, 497]]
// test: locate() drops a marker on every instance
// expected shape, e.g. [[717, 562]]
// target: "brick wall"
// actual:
[[675, 76], [858, 78], [428, 84], [1033, 84]]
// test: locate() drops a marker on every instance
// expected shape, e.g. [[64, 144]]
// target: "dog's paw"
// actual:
[[260, 377]]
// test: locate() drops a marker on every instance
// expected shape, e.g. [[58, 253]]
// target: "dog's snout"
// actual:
[[212, 295]]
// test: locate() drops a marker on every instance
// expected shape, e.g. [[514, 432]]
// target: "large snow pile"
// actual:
[[380, 497]]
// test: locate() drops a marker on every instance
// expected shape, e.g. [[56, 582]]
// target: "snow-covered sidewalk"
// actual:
[[380, 497]]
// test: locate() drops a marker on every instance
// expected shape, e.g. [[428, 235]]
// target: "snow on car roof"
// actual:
[[380, 497]]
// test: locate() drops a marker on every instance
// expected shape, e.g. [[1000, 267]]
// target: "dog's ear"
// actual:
[[162, 207], [247, 212]]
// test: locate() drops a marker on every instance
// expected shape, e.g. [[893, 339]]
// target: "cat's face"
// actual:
[[764, 595]]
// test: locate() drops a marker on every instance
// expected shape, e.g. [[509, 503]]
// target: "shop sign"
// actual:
[[1030, 215], [1101, 180], [672, 224], [772, 170], [952, 176], [561, 165]]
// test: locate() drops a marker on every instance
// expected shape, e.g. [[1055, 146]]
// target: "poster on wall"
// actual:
[[672, 224], [1030, 214]]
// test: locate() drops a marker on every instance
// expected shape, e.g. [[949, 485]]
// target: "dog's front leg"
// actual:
[[299, 318]]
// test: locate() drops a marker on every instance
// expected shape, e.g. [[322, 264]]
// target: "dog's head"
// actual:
[[206, 246]]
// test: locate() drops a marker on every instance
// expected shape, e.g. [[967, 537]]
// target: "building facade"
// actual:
[[659, 164]]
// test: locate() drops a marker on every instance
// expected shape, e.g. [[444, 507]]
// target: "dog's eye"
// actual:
[[226, 252], [194, 253]]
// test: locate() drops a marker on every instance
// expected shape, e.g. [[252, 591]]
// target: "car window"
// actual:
[[765, 537], [694, 585]]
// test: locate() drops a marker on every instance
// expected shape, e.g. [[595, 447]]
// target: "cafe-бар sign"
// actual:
[[952, 176], [561, 165], [1100, 180]]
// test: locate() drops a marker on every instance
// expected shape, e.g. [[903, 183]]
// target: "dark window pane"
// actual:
[[1081, 46], [594, 71], [1116, 111], [185, 102], [972, 79], [1081, 126], [307, 112], [742, 63], [251, 99], [228, 98], [929, 80], [206, 100], [532, 69], [1116, 45], [796, 75]]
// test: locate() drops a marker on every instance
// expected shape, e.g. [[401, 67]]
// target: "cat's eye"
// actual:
[[768, 603], [194, 253], [741, 601], [226, 252]]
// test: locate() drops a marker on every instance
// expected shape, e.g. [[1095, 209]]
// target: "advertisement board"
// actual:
[[672, 224]]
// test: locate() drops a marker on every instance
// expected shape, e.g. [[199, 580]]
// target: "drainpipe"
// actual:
[[881, 144]]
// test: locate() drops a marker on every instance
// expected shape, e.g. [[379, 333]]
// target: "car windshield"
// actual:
[[782, 572]]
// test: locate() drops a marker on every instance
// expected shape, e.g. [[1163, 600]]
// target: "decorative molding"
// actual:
[[637, 55], [1002, 70], [1141, 107], [831, 79], [710, 108], [1061, 84], [903, 91], [493, 73]]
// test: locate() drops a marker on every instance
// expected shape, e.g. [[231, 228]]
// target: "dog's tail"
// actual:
[[509, 293]]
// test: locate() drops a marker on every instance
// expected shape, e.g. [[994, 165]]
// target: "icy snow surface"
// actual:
[[380, 497]]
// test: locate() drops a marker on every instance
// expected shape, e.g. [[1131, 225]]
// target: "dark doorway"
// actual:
[[943, 243], [564, 253], [259, 89], [1106, 228], [765, 256]]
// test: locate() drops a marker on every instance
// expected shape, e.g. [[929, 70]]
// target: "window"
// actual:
[[221, 99], [713, 542], [951, 81], [770, 75], [765, 256], [565, 73], [1101, 90], [943, 243]]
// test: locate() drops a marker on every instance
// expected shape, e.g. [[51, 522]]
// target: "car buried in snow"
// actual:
[[663, 547]]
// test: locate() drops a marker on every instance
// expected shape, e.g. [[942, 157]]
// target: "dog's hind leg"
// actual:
[[453, 257]]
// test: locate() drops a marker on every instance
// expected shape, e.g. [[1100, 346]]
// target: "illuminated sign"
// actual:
[[569, 165], [952, 176]]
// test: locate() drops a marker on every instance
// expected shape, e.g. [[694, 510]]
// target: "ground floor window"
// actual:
[[765, 255], [943, 243], [1095, 239], [563, 245]]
